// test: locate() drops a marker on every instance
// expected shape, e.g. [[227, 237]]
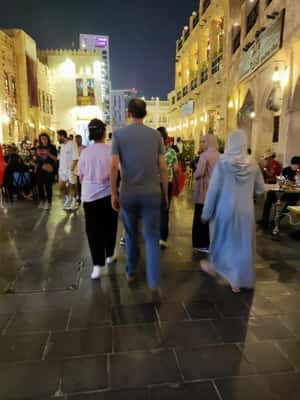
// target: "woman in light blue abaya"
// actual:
[[229, 206]]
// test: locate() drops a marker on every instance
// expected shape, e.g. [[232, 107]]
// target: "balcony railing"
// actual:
[[236, 42], [196, 20], [206, 4], [216, 64], [179, 95], [185, 90], [194, 84], [186, 34], [204, 75], [180, 44], [252, 17]]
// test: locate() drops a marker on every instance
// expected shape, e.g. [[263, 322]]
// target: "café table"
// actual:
[[280, 190]]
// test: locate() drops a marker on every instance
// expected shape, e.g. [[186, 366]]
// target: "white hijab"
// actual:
[[236, 148]]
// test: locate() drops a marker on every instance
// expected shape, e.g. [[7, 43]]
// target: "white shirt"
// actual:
[[68, 154]]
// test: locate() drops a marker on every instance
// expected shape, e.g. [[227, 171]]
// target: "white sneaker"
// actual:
[[41, 205], [204, 250], [96, 274], [67, 203], [164, 244], [73, 204], [47, 206], [122, 241], [111, 260]]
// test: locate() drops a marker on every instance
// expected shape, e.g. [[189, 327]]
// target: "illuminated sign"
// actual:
[[265, 46], [92, 42]]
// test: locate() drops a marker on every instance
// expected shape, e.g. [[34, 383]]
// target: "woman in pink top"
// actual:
[[101, 219], [207, 161]]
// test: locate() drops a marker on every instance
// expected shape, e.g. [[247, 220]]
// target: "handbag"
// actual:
[[181, 181], [47, 167]]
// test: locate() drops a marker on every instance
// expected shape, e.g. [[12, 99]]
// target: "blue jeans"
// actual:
[[145, 207]]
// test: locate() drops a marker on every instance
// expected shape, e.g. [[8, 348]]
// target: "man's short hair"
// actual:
[[295, 160], [63, 133], [96, 129], [137, 108]]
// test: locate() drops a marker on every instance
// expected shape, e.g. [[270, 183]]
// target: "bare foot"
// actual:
[[207, 267]]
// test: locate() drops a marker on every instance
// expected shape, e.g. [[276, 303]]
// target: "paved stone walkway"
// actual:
[[65, 337]]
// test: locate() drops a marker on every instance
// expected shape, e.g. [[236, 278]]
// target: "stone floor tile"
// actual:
[[292, 322], [136, 394], [233, 330], [23, 348], [189, 334], [268, 328], [172, 312], [192, 391], [291, 349], [139, 337], [89, 315], [84, 374], [260, 306], [133, 314], [285, 386], [143, 368], [286, 304], [244, 388], [80, 343], [232, 306], [48, 320], [213, 362], [4, 318], [266, 358], [36, 380], [46, 301], [201, 310], [270, 289]]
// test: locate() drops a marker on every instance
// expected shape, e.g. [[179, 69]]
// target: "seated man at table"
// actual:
[[272, 167], [289, 199]]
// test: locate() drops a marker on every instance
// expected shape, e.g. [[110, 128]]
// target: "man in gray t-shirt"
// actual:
[[140, 153]]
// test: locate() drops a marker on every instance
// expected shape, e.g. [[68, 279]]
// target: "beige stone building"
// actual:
[[8, 95], [238, 64], [77, 79], [157, 113], [24, 113]]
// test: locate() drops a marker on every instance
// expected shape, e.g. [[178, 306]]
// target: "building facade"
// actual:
[[100, 43], [119, 105], [157, 113], [238, 64], [77, 77], [23, 113]]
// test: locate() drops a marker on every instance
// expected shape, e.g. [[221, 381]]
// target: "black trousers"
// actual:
[[290, 199], [44, 182], [101, 229], [79, 189], [200, 233], [164, 214]]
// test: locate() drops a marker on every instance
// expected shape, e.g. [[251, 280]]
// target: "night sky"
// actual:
[[143, 34]]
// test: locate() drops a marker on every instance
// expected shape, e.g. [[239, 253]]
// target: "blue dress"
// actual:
[[230, 208]]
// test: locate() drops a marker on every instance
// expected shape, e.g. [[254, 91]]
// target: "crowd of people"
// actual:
[[135, 172]]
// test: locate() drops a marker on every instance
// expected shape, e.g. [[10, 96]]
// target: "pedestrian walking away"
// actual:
[[206, 164], [140, 152], [101, 219], [229, 206]]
